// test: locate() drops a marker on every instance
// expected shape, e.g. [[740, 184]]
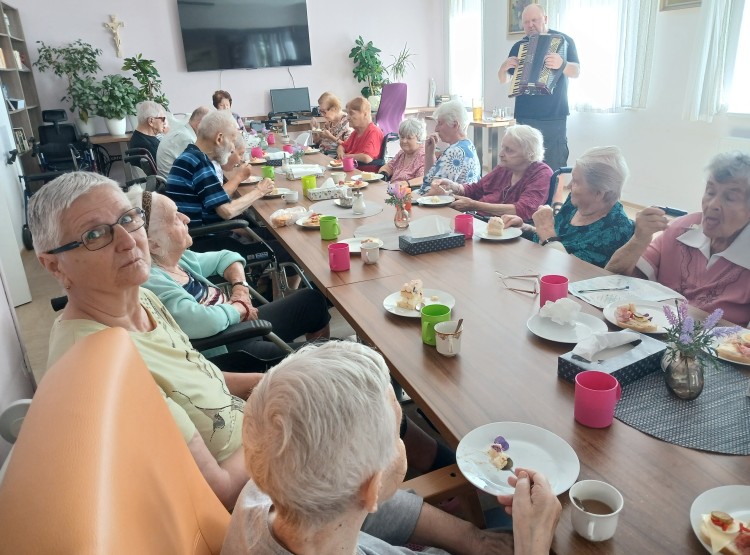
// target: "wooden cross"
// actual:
[[114, 26]]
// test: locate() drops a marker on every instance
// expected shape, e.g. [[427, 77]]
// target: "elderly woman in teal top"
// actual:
[[591, 224]]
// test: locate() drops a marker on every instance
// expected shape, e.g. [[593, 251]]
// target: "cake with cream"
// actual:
[[411, 295], [495, 227]]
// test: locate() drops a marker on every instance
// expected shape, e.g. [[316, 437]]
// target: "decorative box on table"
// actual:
[[629, 363], [420, 245], [323, 193]]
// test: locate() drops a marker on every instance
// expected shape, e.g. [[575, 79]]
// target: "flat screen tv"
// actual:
[[244, 34], [290, 101]]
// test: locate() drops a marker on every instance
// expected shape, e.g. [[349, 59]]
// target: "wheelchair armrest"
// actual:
[[218, 227], [234, 333]]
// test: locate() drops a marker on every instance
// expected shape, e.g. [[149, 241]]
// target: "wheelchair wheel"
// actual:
[[26, 238]]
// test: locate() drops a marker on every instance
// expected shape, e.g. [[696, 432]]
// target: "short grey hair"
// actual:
[[155, 219], [149, 109], [213, 123], [413, 126], [48, 205], [452, 112], [529, 140], [604, 169], [731, 166], [318, 425], [198, 114]]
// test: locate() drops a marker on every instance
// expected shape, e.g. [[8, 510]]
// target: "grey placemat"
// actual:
[[329, 207], [717, 421]]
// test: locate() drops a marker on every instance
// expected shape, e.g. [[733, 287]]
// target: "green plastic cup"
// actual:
[[268, 172], [431, 315], [329, 227]]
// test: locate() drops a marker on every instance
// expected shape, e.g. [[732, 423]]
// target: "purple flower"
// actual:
[[723, 331], [670, 315], [713, 319], [501, 441], [682, 310]]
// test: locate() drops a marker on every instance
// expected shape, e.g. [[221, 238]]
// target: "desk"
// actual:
[[121, 141], [488, 149], [505, 373]]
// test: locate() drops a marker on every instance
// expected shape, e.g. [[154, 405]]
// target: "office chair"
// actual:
[[392, 107], [303, 138]]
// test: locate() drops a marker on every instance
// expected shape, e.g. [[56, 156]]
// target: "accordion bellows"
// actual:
[[531, 77]]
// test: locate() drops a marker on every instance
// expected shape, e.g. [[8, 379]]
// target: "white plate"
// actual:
[[442, 200], [528, 446], [389, 303], [279, 191], [257, 161], [356, 242], [717, 342], [375, 177], [252, 179], [311, 151], [734, 500], [508, 233], [337, 202], [340, 167], [582, 327], [653, 309], [301, 223], [352, 184]]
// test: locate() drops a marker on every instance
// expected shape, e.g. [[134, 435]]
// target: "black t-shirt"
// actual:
[[141, 140], [542, 106]]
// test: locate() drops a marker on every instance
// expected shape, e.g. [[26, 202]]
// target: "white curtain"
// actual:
[[615, 42], [465, 62], [710, 78]]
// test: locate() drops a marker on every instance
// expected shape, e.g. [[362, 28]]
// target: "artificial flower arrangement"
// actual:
[[688, 337], [399, 195], [296, 154]]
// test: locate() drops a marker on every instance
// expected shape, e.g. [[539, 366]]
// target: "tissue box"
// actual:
[[323, 193], [420, 245], [628, 366]]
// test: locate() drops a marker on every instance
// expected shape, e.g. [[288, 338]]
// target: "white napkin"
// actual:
[[593, 344], [277, 155], [300, 170], [562, 311], [328, 183], [429, 226]]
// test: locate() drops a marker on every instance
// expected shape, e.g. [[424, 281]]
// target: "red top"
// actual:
[[370, 142]]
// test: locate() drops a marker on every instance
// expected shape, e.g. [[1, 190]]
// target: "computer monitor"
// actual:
[[285, 101]]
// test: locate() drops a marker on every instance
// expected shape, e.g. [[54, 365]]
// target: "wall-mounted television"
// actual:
[[244, 34]]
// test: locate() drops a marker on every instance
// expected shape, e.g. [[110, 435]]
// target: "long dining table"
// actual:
[[504, 372]]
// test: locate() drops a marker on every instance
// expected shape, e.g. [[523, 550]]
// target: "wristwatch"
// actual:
[[552, 239], [242, 283]]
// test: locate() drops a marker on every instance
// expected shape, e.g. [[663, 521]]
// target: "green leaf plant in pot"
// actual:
[[401, 62], [117, 99], [368, 67], [147, 76]]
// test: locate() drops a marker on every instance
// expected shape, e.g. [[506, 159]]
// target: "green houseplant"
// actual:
[[117, 99], [368, 67], [401, 61], [145, 72]]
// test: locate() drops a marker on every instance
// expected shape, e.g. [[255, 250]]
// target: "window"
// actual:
[[738, 97], [465, 49]]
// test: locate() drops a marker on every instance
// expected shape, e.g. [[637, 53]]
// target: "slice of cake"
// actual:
[[495, 226], [411, 295]]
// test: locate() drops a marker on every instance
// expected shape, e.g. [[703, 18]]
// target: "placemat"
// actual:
[[329, 207], [717, 421]]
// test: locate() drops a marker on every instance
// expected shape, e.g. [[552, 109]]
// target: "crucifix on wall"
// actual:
[[114, 27]]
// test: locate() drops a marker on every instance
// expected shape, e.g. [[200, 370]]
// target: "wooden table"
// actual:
[[505, 373], [121, 141], [488, 148]]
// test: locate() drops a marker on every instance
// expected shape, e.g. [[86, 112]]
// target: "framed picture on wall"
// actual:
[[515, 9], [678, 4]]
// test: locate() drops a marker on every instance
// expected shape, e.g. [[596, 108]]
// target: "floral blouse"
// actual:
[[404, 169], [339, 129]]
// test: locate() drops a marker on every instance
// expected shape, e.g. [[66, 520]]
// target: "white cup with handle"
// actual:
[[595, 509], [370, 252], [291, 197], [448, 340]]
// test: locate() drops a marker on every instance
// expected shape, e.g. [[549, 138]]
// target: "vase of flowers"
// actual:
[[296, 154], [690, 348], [399, 196]]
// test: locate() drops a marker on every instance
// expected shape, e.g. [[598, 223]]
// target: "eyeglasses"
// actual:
[[162, 118], [102, 235], [323, 110]]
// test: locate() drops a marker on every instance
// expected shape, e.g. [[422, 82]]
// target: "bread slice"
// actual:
[[730, 351], [722, 542], [626, 316]]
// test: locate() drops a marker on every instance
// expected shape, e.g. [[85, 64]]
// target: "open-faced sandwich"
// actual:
[[336, 163], [735, 347], [725, 534], [313, 220], [627, 316]]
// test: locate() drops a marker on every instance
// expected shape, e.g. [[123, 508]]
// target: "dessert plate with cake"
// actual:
[[355, 243], [311, 150], [369, 176], [435, 200], [720, 518], [519, 445], [277, 192], [335, 164], [642, 316], [496, 231], [412, 296]]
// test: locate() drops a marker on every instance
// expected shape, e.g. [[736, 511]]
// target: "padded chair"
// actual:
[[380, 161], [392, 107], [107, 471], [553, 183], [303, 139]]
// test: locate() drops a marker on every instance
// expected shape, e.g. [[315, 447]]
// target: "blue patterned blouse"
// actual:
[[459, 163]]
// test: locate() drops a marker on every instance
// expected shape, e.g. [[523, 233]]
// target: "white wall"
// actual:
[[152, 28], [666, 154]]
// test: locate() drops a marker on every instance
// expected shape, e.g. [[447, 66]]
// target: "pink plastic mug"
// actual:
[[464, 223], [288, 148], [338, 257], [552, 288], [349, 163], [256, 152], [596, 395], [271, 139]]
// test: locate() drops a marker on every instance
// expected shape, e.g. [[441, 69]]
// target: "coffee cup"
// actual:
[[597, 519], [370, 252], [308, 182], [349, 163], [291, 197], [338, 256], [552, 288], [448, 340], [256, 152], [464, 223], [596, 395], [431, 315], [329, 228], [268, 172], [338, 177], [271, 139]]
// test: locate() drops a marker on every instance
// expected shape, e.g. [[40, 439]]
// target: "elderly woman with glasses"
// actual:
[[335, 126], [518, 185], [592, 223], [152, 124], [459, 162], [409, 162]]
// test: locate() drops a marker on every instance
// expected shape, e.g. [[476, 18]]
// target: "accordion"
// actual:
[[531, 77]]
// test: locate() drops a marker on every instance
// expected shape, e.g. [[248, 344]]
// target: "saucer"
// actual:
[[583, 326]]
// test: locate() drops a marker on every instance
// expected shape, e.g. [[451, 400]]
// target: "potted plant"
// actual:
[[147, 76], [397, 70], [369, 69], [78, 63], [117, 99]]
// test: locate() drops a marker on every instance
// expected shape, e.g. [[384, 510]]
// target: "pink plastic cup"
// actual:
[[338, 257], [271, 139], [596, 395], [349, 163], [464, 223], [256, 152], [288, 148], [552, 288]]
